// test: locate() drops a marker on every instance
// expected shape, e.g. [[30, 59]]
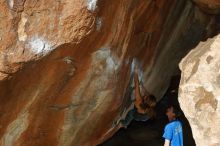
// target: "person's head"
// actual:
[[149, 101], [172, 112]]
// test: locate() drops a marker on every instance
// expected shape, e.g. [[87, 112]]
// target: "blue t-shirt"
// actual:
[[174, 133]]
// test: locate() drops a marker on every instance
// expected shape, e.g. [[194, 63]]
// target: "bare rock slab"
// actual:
[[199, 92]]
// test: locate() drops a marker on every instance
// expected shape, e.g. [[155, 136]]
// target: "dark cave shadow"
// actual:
[[139, 133], [171, 97]]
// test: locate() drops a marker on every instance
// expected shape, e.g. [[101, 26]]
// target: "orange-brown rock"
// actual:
[[65, 64], [210, 6]]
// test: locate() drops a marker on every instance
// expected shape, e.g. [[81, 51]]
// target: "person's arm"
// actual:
[[137, 88], [138, 98], [168, 134], [167, 142]]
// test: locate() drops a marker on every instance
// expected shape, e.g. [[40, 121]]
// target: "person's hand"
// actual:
[[136, 79], [136, 75], [136, 68]]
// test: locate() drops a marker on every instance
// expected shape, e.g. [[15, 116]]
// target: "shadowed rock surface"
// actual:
[[65, 64]]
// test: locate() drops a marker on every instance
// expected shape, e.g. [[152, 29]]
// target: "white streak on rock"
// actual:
[[105, 54], [22, 36], [98, 24], [11, 3], [111, 64], [97, 79], [14, 130], [136, 63], [133, 65], [18, 126], [91, 5], [39, 45]]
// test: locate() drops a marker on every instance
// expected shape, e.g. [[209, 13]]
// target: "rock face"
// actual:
[[199, 93], [210, 6], [65, 65]]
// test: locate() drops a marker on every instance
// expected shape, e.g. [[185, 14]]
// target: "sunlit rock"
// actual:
[[200, 91], [209, 6]]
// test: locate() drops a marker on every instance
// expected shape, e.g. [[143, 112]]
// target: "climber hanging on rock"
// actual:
[[143, 106]]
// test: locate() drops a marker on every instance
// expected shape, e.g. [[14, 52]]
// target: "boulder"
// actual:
[[199, 91]]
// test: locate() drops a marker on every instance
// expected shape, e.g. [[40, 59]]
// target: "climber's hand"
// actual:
[[136, 80], [136, 70]]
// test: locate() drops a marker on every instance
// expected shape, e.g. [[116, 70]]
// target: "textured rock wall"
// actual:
[[199, 92], [65, 65], [185, 26], [209, 6]]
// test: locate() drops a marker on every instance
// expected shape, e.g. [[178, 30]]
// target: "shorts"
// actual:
[[134, 115]]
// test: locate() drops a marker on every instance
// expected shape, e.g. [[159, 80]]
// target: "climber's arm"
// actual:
[[138, 98], [167, 142], [137, 89]]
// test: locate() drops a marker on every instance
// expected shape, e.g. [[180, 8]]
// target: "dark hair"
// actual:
[[176, 110], [147, 104], [152, 98]]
